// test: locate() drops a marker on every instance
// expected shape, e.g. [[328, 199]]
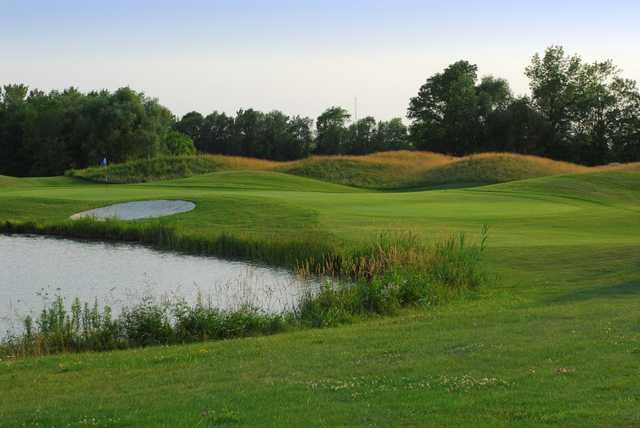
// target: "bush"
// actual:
[[179, 144], [146, 324]]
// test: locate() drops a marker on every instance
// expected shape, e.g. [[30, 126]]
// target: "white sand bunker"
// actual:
[[136, 210]]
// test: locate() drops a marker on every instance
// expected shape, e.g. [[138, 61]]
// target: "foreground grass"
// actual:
[[557, 347], [554, 342]]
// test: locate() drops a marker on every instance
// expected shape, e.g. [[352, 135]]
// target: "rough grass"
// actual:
[[165, 168], [384, 170], [628, 167], [379, 170], [490, 168]]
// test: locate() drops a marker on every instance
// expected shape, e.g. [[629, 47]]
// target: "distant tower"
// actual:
[[355, 108], [355, 114]]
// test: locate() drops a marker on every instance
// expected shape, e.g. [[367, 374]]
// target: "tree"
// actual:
[[301, 138], [178, 144], [191, 125], [331, 132], [286, 138], [216, 134], [450, 112], [443, 113], [554, 82], [494, 94], [624, 122], [248, 127], [361, 137], [589, 107], [518, 128], [13, 110], [392, 135], [46, 133], [123, 125]]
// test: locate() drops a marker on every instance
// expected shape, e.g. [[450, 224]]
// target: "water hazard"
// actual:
[[34, 269]]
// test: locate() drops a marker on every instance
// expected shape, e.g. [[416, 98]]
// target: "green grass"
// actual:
[[553, 340]]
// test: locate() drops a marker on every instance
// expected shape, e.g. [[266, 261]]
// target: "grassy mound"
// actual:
[[627, 167], [396, 170], [491, 168], [166, 168], [384, 170]]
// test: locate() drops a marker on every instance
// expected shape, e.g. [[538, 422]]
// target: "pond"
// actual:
[[35, 269]]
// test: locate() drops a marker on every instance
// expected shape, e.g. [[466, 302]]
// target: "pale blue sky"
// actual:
[[297, 56]]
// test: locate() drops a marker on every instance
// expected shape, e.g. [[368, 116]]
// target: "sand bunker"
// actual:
[[137, 210]]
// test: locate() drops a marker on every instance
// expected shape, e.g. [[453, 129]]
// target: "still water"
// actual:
[[34, 269]]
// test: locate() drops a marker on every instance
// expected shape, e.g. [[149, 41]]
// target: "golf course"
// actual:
[[550, 338]]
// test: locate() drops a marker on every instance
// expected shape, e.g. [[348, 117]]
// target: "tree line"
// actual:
[[576, 111], [277, 136], [579, 112]]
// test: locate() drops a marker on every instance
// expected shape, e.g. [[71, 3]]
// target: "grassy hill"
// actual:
[[553, 340], [385, 170], [166, 168], [378, 170], [396, 170]]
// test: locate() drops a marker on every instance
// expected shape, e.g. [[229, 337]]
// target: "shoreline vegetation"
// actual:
[[391, 272]]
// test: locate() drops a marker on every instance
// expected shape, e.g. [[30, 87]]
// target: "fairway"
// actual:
[[553, 339]]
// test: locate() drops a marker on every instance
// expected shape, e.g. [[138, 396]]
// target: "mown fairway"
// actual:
[[553, 340]]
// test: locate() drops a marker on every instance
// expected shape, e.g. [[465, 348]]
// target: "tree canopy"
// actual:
[[577, 111]]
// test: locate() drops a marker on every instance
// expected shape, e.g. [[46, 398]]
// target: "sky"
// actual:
[[299, 57]]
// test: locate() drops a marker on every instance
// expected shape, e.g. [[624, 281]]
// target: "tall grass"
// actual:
[[405, 169], [391, 272], [383, 170], [166, 235], [83, 327], [389, 277], [311, 253], [166, 168]]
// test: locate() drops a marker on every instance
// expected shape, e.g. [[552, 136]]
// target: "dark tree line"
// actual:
[[277, 136], [577, 111]]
